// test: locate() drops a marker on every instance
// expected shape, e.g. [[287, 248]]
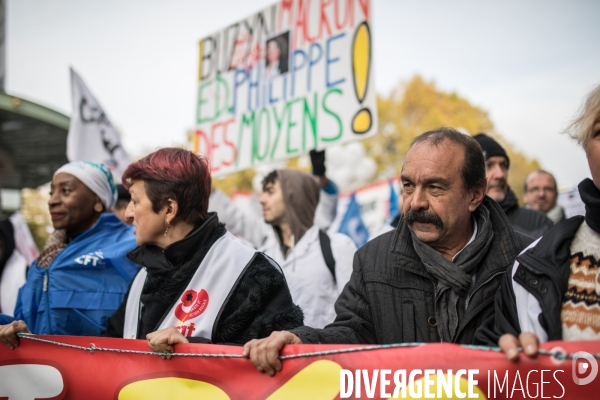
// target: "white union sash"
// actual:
[[197, 308]]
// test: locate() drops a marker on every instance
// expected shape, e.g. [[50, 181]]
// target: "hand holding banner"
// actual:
[[92, 367]]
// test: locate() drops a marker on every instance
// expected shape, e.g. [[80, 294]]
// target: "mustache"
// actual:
[[424, 217]]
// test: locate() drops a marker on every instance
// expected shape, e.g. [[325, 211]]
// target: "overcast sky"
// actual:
[[528, 63]]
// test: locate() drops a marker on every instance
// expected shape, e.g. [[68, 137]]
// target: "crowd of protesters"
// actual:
[[462, 263]]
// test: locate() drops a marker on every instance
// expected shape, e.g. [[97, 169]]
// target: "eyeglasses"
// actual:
[[544, 189]]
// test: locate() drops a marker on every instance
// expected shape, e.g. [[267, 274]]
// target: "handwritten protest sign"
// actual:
[[292, 77]]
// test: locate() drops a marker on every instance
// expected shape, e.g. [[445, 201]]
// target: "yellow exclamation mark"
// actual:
[[200, 46], [361, 68], [195, 142]]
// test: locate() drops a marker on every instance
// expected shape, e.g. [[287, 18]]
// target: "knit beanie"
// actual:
[[490, 147]]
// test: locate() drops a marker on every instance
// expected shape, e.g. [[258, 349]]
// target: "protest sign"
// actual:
[[292, 77]]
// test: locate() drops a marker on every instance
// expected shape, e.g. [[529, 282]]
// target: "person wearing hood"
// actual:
[[316, 265], [497, 164], [251, 227]]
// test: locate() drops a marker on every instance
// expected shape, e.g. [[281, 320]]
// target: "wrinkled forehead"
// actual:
[[443, 158]]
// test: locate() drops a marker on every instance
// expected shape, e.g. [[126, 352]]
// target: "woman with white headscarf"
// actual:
[[81, 276]]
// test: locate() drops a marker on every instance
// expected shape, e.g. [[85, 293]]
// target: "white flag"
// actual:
[[91, 135]]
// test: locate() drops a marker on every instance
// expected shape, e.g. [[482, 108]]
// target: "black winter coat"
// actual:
[[524, 220], [544, 272], [390, 297], [258, 304]]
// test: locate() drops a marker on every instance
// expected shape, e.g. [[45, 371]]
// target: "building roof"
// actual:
[[33, 142]]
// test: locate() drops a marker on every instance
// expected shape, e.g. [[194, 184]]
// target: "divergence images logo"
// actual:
[[582, 364]]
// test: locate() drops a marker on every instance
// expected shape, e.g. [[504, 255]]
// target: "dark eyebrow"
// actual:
[[429, 181], [63, 182], [437, 180]]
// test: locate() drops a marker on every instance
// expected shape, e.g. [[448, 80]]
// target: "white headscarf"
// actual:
[[96, 176]]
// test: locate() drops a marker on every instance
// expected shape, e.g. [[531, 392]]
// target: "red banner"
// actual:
[[102, 368]]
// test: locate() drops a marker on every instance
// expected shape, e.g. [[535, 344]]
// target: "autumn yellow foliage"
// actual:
[[417, 106], [414, 107]]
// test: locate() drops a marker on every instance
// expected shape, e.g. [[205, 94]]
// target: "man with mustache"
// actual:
[[433, 278], [497, 163]]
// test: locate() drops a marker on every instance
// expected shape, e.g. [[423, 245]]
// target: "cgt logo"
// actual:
[[584, 364], [192, 305]]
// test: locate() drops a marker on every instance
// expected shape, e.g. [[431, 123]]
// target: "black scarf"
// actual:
[[171, 269], [591, 197], [509, 202], [454, 278]]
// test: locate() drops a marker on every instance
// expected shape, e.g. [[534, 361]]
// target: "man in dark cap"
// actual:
[[497, 163]]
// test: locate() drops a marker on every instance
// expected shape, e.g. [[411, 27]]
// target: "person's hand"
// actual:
[[163, 340], [317, 159], [509, 344], [8, 333], [264, 353]]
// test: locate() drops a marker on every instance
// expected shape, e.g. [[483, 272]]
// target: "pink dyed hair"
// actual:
[[177, 174]]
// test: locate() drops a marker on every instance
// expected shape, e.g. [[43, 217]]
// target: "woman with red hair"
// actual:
[[198, 283]]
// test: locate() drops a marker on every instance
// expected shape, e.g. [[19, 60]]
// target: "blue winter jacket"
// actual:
[[84, 285]]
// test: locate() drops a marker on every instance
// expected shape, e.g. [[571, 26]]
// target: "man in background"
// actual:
[[541, 194], [316, 265], [497, 163], [250, 225]]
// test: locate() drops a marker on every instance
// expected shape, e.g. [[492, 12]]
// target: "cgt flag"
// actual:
[[91, 135]]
